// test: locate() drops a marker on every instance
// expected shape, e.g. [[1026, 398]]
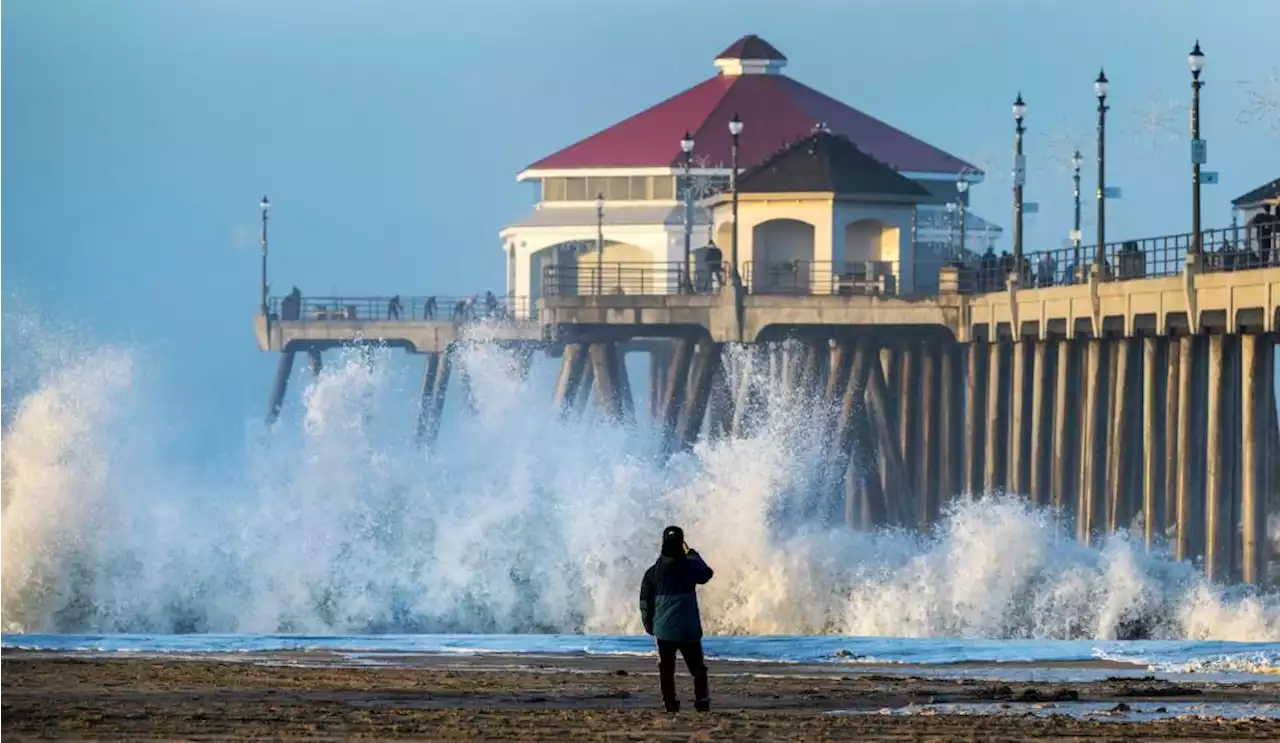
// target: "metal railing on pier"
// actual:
[[607, 279], [401, 309]]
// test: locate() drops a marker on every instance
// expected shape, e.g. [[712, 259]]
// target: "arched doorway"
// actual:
[[626, 269], [782, 257]]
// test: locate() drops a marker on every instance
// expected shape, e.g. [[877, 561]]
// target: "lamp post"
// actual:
[[962, 186], [686, 146], [265, 205], [1100, 87], [1195, 60], [1076, 162], [735, 129], [1019, 178], [951, 231], [599, 241]]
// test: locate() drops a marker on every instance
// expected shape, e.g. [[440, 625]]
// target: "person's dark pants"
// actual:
[[692, 652]]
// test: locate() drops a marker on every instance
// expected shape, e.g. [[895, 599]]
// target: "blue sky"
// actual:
[[388, 134]]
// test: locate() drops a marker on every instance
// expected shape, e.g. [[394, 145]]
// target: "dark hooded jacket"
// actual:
[[668, 597]]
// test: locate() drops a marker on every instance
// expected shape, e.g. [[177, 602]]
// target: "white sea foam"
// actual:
[[335, 523]]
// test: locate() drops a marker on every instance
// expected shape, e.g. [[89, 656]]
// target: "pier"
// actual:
[[1143, 403]]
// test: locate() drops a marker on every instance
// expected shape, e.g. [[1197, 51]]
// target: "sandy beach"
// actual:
[[534, 698]]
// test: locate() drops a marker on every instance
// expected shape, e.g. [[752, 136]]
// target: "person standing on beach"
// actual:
[[669, 610]]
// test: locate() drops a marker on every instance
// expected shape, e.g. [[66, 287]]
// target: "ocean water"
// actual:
[[526, 533]]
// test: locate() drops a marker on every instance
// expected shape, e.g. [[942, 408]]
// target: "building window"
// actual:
[[614, 188]]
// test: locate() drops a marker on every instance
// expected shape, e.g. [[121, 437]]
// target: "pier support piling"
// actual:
[[426, 408], [1018, 475], [1256, 360], [1041, 430], [997, 425], [1153, 440], [926, 464], [604, 369], [1184, 536], [573, 364], [1093, 452], [975, 387], [1217, 540], [1066, 429], [281, 384]]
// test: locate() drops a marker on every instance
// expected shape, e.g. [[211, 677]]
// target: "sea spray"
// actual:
[[335, 522]]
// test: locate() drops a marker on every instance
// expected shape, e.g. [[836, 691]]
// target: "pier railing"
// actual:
[[385, 309], [606, 279]]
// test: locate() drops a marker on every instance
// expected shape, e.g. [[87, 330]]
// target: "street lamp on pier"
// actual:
[[1195, 60], [264, 205], [1019, 178], [1076, 161], [1100, 88], [686, 146], [599, 241], [735, 130], [951, 231], [962, 186]]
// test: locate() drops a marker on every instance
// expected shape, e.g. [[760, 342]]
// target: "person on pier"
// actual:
[[669, 611], [429, 309], [393, 308], [715, 268]]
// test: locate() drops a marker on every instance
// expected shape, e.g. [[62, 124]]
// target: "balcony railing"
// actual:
[[386, 309]]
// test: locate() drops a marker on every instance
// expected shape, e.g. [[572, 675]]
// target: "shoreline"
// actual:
[[547, 697]]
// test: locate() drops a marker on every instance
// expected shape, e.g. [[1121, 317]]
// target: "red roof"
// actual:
[[775, 109]]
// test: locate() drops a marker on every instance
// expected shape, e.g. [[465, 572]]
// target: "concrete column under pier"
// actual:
[[842, 442], [1066, 429], [676, 387], [1216, 539], [975, 387], [703, 369], [898, 496], [950, 416], [1093, 452], [1018, 480], [1120, 493], [435, 386], [314, 361], [926, 463], [283, 370], [573, 364], [1153, 440], [909, 409], [1186, 538], [1041, 430], [1256, 361], [604, 363], [997, 425], [1172, 413]]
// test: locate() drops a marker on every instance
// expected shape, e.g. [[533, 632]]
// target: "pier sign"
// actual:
[[1199, 151], [1031, 207], [1209, 177], [1111, 192]]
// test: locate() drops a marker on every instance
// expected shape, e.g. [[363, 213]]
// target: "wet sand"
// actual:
[[535, 698]]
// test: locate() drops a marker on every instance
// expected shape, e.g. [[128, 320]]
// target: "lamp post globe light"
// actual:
[[1019, 179], [686, 146], [1076, 162], [264, 205], [735, 131], [599, 241], [1100, 88], [1195, 61], [962, 186]]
